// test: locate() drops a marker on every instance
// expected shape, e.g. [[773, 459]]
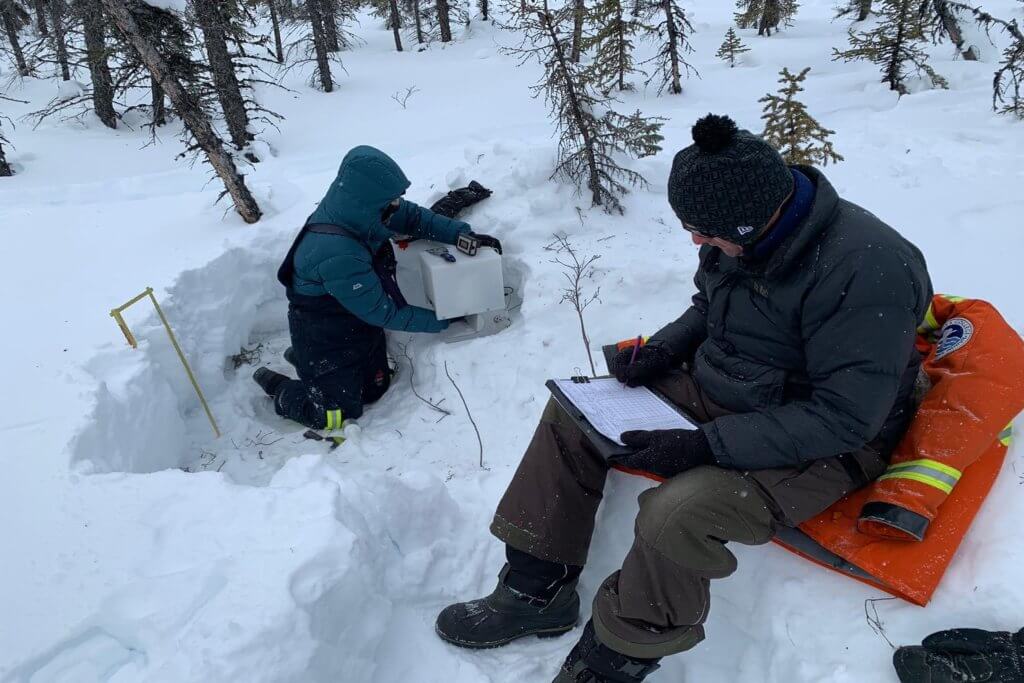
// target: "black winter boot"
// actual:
[[289, 356], [269, 380], [507, 614], [963, 655], [592, 662]]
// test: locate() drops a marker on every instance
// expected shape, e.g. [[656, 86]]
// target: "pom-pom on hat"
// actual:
[[729, 183]]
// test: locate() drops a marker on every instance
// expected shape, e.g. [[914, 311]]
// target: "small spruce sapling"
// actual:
[[896, 45], [732, 47], [790, 129]]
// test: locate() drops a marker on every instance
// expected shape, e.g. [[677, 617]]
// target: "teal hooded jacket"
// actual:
[[342, 265]]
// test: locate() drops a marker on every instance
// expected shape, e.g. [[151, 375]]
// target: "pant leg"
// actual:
[[377, 372], [549, 507], [330, 354], [657, 603]]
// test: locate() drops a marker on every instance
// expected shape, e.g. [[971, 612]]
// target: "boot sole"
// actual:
[[476, 645]]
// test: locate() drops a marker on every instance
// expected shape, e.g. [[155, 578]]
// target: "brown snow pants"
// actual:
[[657, 603]]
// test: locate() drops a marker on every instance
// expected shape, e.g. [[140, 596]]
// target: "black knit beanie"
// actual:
[[729, 183]]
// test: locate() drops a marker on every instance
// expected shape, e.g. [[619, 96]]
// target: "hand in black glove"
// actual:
[[963, 654], [652, 361], [487, 241], [666, 452]]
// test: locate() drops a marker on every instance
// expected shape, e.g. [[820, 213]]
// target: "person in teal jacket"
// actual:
[[339, 277]]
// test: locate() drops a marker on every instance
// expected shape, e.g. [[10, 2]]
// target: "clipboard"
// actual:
[[605, 446]]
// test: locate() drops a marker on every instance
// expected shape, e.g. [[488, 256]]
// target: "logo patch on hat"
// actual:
[[955, 335], [745, 229]]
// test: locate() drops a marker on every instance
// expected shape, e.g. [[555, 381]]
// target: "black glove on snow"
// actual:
[[652, 361], [459, 200], [666, 452], [963, 654]]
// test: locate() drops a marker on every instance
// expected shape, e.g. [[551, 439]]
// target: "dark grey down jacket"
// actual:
[[813, 348]]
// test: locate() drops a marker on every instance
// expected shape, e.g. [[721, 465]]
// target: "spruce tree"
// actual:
[[215, 21], [732, 47], [8, 16], [588, 142], [945, 19], [58, 36], [671, 33], [790, 129], [896, 45], [579, 19], [1008, 81], [612, 41], [321, 49], [187, 106], [94, 23], [766, 15], [860, 9]]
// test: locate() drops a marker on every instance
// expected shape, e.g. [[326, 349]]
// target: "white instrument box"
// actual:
[[468, 287]]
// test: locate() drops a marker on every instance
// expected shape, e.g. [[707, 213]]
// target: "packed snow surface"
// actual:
[[139, 548]]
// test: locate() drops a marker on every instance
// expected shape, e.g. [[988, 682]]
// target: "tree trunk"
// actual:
[[444, 21], [275, 22], [579, 15], [672, 33], [11, 28], [620, 46], [190, 111], [419, 21], [771, 14], [863, 9], [41, 18], [593, 173], [222, 67], [485, 9], [395, 25], [159, 105], [952, 28], [893, 70], [323, 61], [57, 10], [329, 17], [5, 168], [93, 27]]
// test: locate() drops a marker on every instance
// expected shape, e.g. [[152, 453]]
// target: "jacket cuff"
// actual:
[[716, 448]]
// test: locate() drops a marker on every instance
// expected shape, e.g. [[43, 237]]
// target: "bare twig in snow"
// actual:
[[403, 97], [468, 414], [577, 269], [247, 356], [875, 621]]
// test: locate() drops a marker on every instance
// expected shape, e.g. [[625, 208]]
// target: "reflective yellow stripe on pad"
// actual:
[[333, 419], [1006, 436], [922, 478], [925, 471], [930, 324]]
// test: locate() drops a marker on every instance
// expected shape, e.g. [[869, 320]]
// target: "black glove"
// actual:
[[666, 452], [486, 241], [963, 654], [652, 361], [461, 199]]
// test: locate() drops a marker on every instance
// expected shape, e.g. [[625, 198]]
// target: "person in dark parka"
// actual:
[[340, 280], [797, 359]]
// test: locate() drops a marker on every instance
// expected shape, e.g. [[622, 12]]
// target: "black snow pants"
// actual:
[[341, 361]]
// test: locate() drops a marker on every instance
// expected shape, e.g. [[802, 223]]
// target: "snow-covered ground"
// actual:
[[138, 548]]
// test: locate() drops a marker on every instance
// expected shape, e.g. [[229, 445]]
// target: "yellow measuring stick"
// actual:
[[116, 314]]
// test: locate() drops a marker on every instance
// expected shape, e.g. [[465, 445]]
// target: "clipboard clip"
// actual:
[[580, 379]]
